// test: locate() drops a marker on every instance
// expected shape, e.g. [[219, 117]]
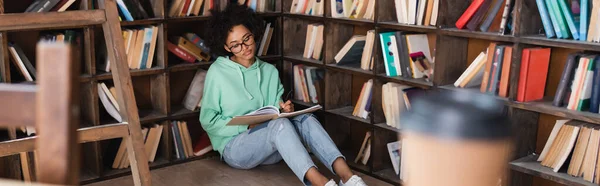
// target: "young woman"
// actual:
[[238, 83]]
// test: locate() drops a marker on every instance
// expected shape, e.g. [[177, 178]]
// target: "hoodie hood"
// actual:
[[241, 70]]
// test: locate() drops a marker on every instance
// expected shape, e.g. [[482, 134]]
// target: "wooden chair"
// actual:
[[52, 105]]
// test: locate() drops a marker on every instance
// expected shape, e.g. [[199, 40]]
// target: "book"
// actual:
[[268, 113]]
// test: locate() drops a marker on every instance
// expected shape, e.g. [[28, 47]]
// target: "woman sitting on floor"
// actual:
[[238, 83]]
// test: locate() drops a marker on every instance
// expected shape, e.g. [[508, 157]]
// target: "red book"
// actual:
[[534, 70], [462, 21], [504, 78], [185, 56], [203, 145], [186, 6]]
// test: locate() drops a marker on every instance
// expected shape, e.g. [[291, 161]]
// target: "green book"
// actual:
[[560, 19], [586, 92]]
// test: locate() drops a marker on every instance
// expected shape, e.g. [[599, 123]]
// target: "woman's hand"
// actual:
[[288, 106]]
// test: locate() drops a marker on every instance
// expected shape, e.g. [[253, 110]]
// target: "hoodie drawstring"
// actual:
[[244, 83], [258, 75]]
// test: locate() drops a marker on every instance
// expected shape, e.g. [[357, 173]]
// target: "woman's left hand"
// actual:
[[288, 106]]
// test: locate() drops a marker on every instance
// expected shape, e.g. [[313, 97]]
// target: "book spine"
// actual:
[[545, 19], [497, 69], [466, 16], [560, 19], [185, 56], [491, 15], [584, 20], [525, 60], [595, 99], [569, 19], [565, 78], [177, 139], [479, 14]]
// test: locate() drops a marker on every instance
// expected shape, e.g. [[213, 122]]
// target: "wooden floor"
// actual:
[[214, 172]]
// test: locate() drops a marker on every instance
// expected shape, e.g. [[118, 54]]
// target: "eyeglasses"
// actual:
[[247, 41]]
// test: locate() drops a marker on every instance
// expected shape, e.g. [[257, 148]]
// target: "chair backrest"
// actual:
[[52, 106]]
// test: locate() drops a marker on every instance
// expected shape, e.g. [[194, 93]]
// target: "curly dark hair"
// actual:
[[221, 23]]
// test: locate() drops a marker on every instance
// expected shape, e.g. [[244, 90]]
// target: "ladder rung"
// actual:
[[17, 105], [89, 134], [51, 20]]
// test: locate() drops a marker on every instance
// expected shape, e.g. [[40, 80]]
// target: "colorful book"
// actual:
[[545, 18]]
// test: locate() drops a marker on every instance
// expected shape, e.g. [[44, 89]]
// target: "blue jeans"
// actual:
[[280, 139]]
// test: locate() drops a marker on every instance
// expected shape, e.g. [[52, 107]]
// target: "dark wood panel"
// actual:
[[336, 35], [451, 59], [337, 90]]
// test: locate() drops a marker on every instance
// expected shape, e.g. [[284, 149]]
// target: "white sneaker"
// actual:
[[353, 181], [331, 183]]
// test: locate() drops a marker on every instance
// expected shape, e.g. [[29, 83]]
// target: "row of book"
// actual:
[[308, 83], [25, 66], [357, 52], [313, 46], [265, 41], [491, 72], [395, 100], [184, 8], [406, 55], [140, 46], [579, 87], [184, 146], [308, 7], [130, 10], [575, 19], [189, 48], [353, 9], [260, 5], [49, 5], [487, 16], [417, 12], [579, 141]]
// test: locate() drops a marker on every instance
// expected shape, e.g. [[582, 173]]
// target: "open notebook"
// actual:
[[268, 113]]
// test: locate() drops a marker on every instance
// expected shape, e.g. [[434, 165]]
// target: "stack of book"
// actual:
[[487, 16], [579, 87], [580, 142], [535, 64], [395, 100], [415, 12], [357, 52], [406, 55], [363, 105], [353, 9], [308, 7], [49, 5], [140, 46], [265, 41], [570, 19], [151, 137], [130, 10], [183, 8], [313, 47], [189, 48], [260, 5], [308, 83]]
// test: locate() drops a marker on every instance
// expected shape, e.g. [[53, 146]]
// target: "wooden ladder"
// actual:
[[107, 16]]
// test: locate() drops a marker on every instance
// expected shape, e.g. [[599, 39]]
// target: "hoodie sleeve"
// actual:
[[211, 116]]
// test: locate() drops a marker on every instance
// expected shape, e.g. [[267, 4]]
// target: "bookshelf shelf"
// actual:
[[88, 176], [150, 116], [387, 127], [389, 175], [357, 71], [188, 66], [357, 22], [563, 43], [477, 35], [85, 78], [133, 73], [472, 89], [304, 61], [304, 16], [270, 57], [179, 112], [187, 19], [142, 22], [546, 107], [407, 27], [269, 14], [529, 165], [347, 113], [421, 82]]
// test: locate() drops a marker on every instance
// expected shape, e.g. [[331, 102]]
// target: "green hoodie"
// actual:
[[231, 89]]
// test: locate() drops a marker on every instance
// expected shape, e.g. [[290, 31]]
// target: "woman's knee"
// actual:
[[280, 124]]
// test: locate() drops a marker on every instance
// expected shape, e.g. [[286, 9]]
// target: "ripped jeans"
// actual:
[[280, 139]]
